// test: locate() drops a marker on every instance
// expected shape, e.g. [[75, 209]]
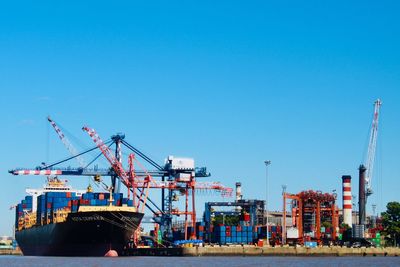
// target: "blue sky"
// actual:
[[229, 83]]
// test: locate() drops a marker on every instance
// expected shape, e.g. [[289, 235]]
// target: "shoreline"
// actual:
[[252, 251], [249, 251]]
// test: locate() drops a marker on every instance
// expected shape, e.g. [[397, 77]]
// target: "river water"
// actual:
[[200, 261]]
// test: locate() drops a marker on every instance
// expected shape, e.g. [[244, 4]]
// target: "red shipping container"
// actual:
[[201, 228], [246, 217], [228, 233], [49, 205], [68, 194], [238, 228]]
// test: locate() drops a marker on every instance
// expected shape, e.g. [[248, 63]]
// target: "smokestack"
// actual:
[[361, 195], [347, 206], [238, 191]]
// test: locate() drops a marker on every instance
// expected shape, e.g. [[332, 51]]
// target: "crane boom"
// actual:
[[67, 143], [116, 165], [369, 162]]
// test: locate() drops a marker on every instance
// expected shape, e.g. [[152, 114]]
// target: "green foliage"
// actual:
[[347, 232], [391, 223], [228, 220], [326, 224], [344, 226]]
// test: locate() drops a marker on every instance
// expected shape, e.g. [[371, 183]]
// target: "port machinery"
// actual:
[[178, 174], [366, 169], [309, 209]]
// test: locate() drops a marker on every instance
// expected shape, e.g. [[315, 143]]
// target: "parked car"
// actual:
[[362, 242]]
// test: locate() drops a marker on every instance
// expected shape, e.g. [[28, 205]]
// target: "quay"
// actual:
[[246, 251]]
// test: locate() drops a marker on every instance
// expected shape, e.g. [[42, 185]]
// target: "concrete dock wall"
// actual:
[[288, 251]]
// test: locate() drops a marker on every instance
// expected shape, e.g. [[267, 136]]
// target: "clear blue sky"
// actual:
[[226, 82]]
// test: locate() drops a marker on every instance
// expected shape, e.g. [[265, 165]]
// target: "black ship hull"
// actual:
[[82, 234]]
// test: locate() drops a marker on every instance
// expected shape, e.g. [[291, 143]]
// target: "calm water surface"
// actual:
[[200, 261]]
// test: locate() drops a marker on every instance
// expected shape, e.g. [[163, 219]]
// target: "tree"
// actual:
[[391, 223], [226, 220], [347, 232]]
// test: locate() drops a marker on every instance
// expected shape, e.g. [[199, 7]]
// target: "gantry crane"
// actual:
[[139, 181], [185, 182], [366, 171]]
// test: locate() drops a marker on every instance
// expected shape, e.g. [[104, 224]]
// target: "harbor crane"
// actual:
[[139, 181], [366, 169]]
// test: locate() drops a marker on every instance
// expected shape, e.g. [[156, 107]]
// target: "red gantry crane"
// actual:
[[309, 210]]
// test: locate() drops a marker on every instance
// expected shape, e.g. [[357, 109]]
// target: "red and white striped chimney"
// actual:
[[238, 191], [347, 205]]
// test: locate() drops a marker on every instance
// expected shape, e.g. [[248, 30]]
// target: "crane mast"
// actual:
[[369, 162], [366, 171]]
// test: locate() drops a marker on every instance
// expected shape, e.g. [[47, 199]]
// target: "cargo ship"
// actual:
[[60, 221]]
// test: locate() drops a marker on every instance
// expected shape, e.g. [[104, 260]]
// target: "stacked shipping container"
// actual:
[[234, 234], [51, 202], [24, 206]]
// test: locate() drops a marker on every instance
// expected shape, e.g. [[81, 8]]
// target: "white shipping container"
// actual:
[[292, 232], [183, 177]]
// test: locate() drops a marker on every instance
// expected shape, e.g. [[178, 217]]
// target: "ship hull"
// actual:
[[82, 234]]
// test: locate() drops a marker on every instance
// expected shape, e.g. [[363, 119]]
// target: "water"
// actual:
[[200, 261]]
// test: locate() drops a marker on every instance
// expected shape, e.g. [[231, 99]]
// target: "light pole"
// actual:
[[284, 215], [267, 163], [373, 215]]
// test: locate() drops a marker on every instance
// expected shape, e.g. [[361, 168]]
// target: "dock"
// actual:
[[246, 251]]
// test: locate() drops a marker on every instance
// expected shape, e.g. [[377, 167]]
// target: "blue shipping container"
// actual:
[[310, 244]]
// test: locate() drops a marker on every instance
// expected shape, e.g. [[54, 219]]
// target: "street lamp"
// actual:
[[267, 163], [284, 215]]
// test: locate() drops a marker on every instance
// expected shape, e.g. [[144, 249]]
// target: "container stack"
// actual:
[[200, 231], [103, 199], [233, 234], [274, 232], [24, 206], [51, 202]]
